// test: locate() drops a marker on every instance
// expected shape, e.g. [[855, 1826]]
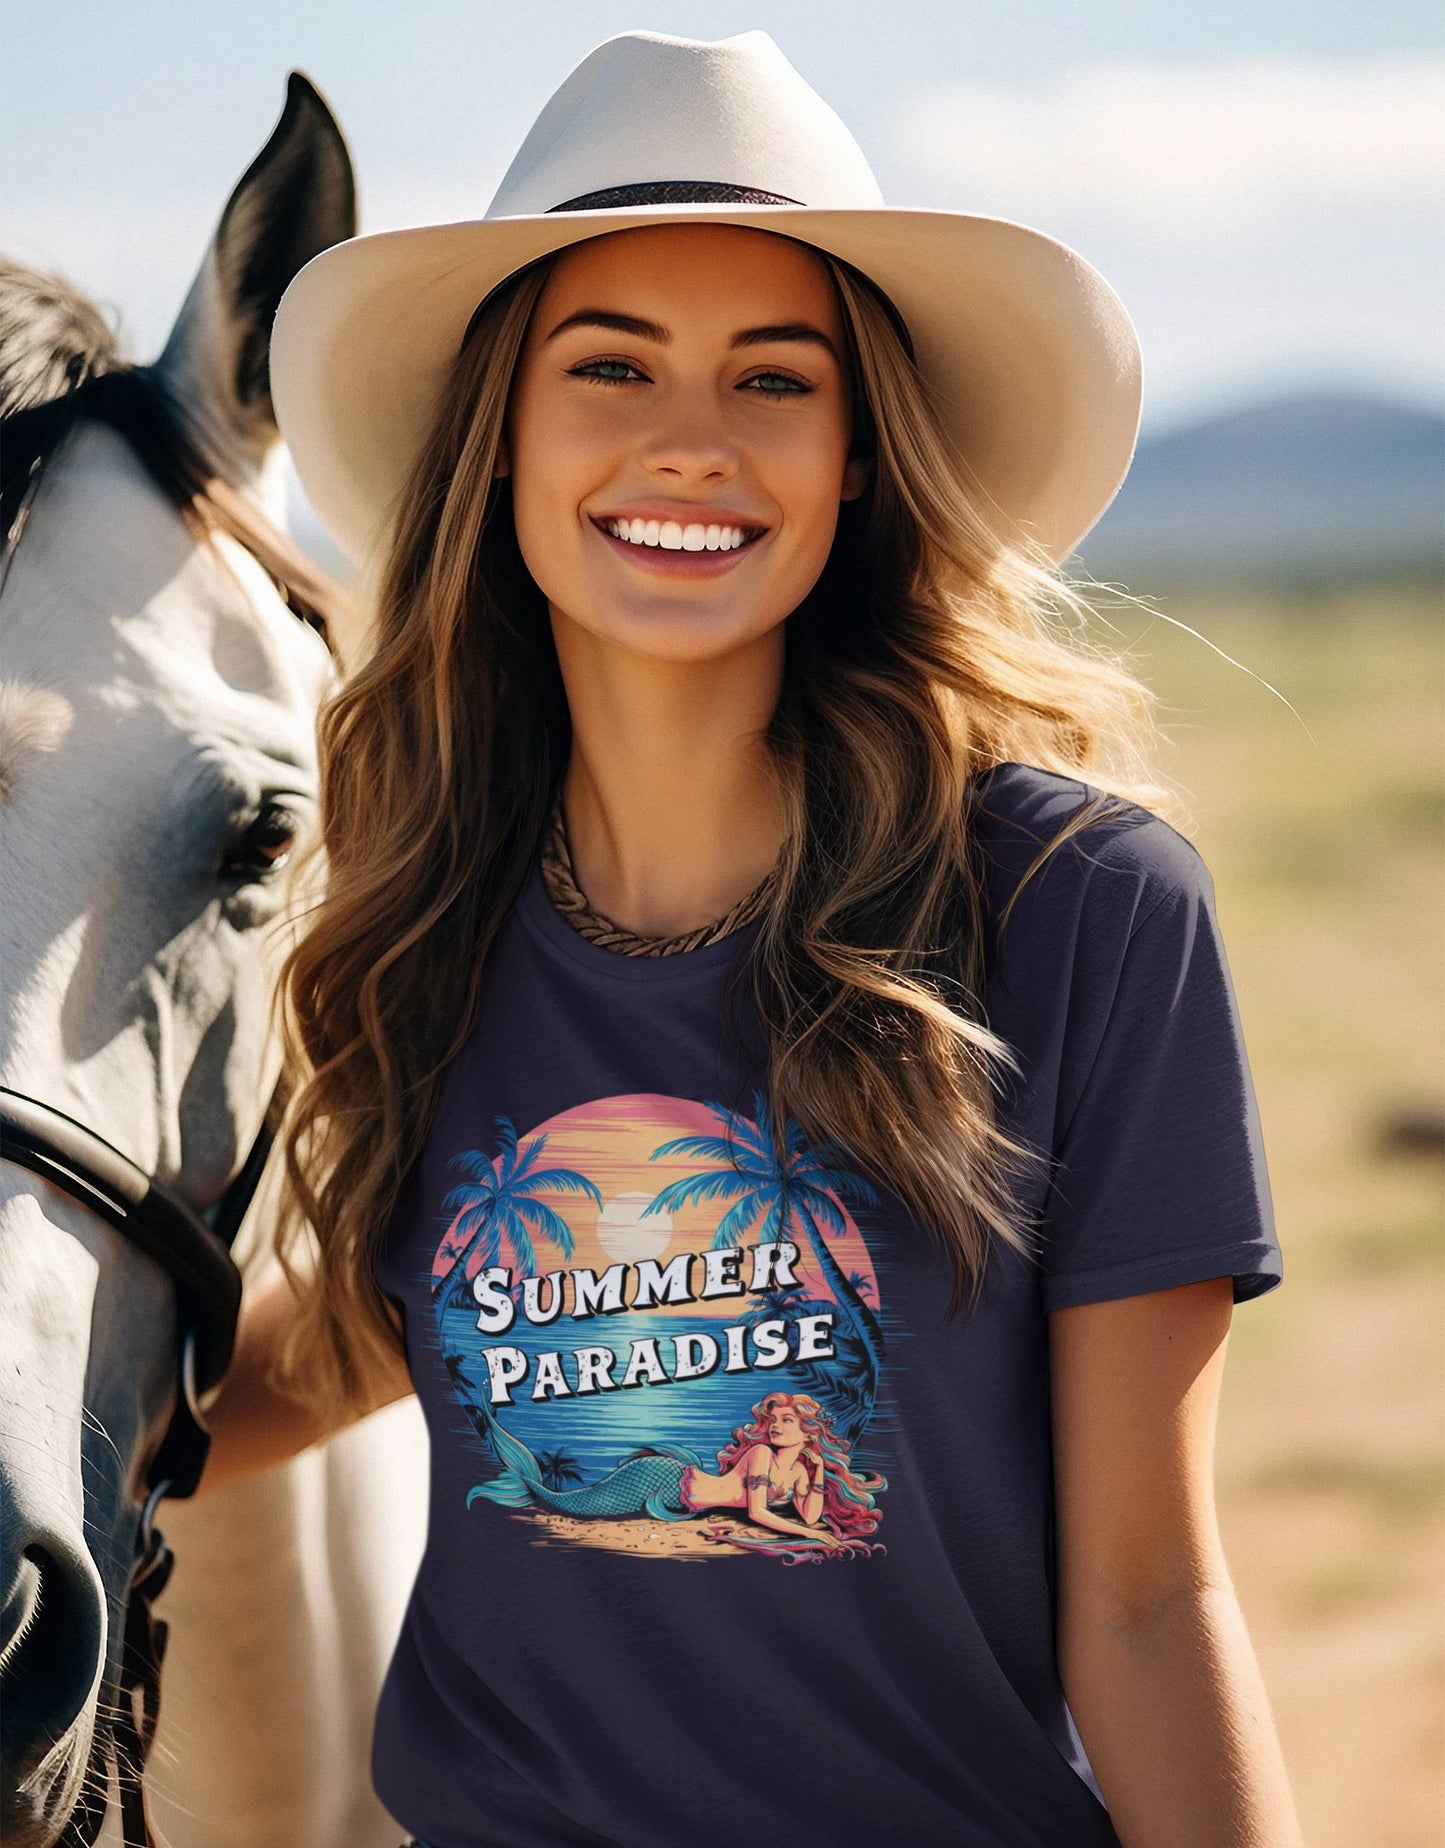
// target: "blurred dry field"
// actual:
[[1325, 833]]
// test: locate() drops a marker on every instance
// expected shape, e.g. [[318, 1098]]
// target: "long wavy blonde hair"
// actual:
[[927, 651]]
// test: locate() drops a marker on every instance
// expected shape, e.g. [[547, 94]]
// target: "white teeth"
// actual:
[[670, 536]]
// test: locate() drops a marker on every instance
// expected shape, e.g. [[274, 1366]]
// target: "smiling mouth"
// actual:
[[673, 537]]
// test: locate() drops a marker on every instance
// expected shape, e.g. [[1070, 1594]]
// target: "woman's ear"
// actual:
[[856, 476]]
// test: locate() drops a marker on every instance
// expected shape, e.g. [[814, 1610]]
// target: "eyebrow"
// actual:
[[800, 331]]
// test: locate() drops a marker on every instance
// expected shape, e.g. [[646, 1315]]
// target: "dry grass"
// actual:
[[1324, 832]]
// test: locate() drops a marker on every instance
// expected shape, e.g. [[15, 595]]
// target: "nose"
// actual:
[[52, 1656], [693, 445]]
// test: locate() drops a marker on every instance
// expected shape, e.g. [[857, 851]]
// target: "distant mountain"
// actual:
[[1301, 486]]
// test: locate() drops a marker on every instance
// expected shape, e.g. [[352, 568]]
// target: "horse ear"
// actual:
[[296, 199]]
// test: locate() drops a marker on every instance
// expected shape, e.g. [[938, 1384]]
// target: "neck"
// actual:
[[672, 806]]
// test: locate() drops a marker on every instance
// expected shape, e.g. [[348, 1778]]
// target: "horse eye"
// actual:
[[264, 845]]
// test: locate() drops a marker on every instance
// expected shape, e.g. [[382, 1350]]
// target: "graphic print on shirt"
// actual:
[[656, 1316]]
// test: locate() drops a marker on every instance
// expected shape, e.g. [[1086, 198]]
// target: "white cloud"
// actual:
[[1268, 223], [1228, 149]]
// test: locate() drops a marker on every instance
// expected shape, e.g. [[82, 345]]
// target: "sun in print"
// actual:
[[624, 1231]]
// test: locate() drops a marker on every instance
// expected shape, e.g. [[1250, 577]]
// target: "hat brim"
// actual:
[[1031, 359]]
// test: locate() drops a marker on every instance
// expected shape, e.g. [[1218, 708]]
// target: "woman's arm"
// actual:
[[1155, 1659], [810, 1507], [757, 1476], [253, 1427]]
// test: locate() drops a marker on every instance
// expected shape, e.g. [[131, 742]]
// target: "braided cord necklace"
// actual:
[[567, 897]]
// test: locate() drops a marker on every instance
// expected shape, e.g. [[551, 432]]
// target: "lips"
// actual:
[[657, 560]]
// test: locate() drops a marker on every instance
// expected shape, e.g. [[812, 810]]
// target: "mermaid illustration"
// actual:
[[788, 1454]]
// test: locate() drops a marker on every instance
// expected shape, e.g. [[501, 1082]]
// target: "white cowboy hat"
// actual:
[[1030, 357]]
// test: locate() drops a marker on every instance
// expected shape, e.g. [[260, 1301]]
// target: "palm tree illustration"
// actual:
[[779, 1186], [783, 1299], [497, 1206], [484, 1423], [792, 1299], [464, 1386], [559, 1469]]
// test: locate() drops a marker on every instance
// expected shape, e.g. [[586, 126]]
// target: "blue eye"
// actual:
[[795, 387], [596, 378], [792, 388]]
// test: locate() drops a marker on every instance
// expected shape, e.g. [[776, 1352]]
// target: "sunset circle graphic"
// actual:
[[622, 1287]]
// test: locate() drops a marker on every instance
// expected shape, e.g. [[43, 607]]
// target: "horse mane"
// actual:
[[51, 337], [59, 364]]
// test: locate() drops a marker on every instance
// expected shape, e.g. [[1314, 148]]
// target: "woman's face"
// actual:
[[713, 404], [784, 1426]]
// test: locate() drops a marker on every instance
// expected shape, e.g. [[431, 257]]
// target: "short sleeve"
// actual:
[[1159, 1174]]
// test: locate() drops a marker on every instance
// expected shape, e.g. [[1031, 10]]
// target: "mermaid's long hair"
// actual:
[[848, 1505], [931, 648]]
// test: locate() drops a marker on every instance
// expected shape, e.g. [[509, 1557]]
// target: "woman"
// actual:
[[749, 946]]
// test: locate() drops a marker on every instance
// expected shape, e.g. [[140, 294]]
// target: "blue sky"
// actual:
[[1262, 183]]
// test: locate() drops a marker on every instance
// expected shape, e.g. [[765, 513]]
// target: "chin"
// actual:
[[692, 636]]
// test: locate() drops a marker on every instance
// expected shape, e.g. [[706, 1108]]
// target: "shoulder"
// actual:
[[1121, 866]]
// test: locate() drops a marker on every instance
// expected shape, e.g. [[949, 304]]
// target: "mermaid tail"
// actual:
[[647, 1481]]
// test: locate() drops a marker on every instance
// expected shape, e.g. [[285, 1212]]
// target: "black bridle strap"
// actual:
[[197, 1256], [157, 1221], [130, 1733]]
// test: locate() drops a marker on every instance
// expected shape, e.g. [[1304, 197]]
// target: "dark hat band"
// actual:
[[671, 192], [716, 192], [702, 192]]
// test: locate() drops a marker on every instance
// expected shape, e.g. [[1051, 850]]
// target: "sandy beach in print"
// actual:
[[667, 1539]]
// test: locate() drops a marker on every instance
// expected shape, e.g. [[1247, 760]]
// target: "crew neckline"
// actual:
[[547, 922]]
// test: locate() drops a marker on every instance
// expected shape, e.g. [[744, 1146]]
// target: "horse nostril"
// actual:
[[53, 1641], [22, 1607]]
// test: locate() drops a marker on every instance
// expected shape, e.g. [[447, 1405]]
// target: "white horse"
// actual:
[[158, 694]]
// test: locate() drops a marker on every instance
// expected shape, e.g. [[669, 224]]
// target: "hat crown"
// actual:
[[649, 107]]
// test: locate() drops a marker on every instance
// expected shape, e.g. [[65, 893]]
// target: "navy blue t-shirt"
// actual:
[[671, 1353]]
